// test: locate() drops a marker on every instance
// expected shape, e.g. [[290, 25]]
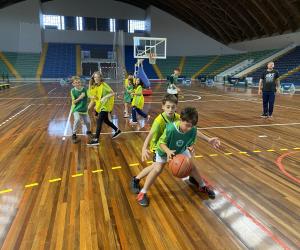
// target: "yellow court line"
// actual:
[[213, 155], [97, 171], [198, 156], [6, 191], [31, 185], [118, 167], [242, 152], [256, 151], [149, 162], [229, 153], [54, 180], [271, 150], [77, 175], [283, 149], [134, 164], [296, 148]]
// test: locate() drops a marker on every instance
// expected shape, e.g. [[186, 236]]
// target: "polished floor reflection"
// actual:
[[57, 195]]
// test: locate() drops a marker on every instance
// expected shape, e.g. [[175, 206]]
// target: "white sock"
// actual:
[[202, 183], [143, 191]]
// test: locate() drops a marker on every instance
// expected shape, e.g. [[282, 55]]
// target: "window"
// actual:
[[79, 23], [53, 22], [112, 25], [134, 25]]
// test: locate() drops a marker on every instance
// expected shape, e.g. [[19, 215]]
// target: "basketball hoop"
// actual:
[[152, 58]]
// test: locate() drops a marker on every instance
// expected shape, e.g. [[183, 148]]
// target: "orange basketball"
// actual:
[[180, 166]]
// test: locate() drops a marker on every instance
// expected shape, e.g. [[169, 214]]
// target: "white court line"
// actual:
[[252, 126], [67, 125], [51, 91], [20, 85], [208, 128], [21, 111]]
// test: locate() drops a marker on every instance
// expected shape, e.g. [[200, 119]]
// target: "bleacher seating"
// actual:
[[4, 69], [283, 64], [25, 64], [60, 61], [168, 65]]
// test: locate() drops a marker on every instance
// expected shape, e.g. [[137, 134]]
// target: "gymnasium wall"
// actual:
[[273, 42], [183, 40], [20, 27]]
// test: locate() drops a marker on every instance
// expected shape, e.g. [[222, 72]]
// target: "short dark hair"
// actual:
[[169, 98], [177, 69], [129, 73], [189, 114]]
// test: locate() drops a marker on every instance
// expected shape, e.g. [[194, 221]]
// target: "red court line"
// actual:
[[281, 166], [250, 217]]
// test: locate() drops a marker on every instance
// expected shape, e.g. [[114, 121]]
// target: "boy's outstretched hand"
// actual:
[[192, 150], [215, 142], [145, 154], [170, 154]]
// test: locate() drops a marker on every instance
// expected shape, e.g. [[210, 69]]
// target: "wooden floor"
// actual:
[[56, 195]]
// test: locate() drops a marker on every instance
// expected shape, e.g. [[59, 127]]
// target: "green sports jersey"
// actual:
[[80, 106], [176, 140], [158, 127]]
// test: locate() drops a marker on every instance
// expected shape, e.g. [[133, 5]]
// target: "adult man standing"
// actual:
[[268, 85]]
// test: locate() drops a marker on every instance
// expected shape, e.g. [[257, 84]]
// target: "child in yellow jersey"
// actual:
[[138, 101], [92, 91], [128, 89], [152, 172], [104, 105]]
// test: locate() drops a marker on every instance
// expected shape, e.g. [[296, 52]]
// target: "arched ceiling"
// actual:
[[230, 21]]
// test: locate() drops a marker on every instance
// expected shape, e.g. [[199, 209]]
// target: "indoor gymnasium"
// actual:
[[155, 124]]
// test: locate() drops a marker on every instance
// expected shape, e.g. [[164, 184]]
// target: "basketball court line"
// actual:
[[246, 215], [209, 128], [14, 87], [10, 118], [282, 168], [67, 124], [51, 91], [249, 100]]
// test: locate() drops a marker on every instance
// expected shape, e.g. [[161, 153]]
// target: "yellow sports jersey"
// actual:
[[103, 90], [138, 100], [92, 91], [158, 127]]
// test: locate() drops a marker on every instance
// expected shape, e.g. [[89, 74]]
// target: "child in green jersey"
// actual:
[[79, 107], [128, 90], [177, 138]]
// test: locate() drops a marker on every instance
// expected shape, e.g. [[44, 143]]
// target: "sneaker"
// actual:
[[135, 185], [264, 116], [116, 134], [143, 199], [270, 116], [74, 138], [209, 191], [193, 181], [93, 142], [126, 115], [133, 123], [148, 118]]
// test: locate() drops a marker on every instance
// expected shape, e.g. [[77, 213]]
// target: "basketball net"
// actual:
[[151, 57]]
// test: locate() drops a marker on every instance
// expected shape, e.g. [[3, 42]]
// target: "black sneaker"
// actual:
[[264, 116], [116, 134], [143, 199], [135, 185], [209, 191], [193, 181], [74, 138], [93, 142]]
